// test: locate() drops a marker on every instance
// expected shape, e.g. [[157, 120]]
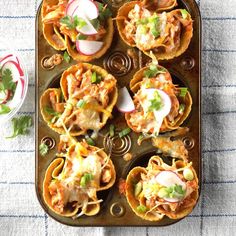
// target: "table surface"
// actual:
[[215, 214]]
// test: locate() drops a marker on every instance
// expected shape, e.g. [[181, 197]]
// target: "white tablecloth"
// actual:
[[215, 214]]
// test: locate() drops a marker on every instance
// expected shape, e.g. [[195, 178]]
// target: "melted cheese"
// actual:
[[159, 115]]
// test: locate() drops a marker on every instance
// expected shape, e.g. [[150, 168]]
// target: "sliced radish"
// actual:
[[88, 29], [4, 58], [167, 179], [14, 68], [125, 103], [86, 8], [87, 47]]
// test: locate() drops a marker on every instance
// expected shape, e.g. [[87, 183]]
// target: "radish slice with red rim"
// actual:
[[87, 47], [125, 103], [80, 8]]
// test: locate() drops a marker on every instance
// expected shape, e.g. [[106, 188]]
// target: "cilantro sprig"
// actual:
[[4, 109], [21, 125], [7, 82], [155, 103], [66, 57], [73, 22], [104, 12], [43, 149], [153, 70]]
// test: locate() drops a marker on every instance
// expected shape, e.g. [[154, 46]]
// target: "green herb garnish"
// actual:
[[4, 109], [95, 78], [7, 81], [183, 92], [181, 108], [81, 37], [104, 12], [21, 125], [154, 25], [43, 149], [95, 23], [142, 21], [112, 130], [142, 208], [124, 132], [156, 102], [51, 112], [184, 13], [73, 23], [81, 103], [89, 140], [85, 179], [66, 57], [153, 70]]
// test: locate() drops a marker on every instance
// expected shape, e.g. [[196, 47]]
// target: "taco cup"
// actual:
[[160, 106], [162, 189], [166, 34], [71, 184], [90, 94], [84, 28]]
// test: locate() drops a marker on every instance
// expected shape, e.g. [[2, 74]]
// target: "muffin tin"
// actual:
[[121, 61]]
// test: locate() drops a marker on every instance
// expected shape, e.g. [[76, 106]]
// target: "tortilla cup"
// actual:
[[159, 50], [188, 205], [185, 38], [50, 31], [106, 112], [52, 172], [156, 165], [135, 84]]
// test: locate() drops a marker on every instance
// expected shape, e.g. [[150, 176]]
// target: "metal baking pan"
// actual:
[[185, 70]]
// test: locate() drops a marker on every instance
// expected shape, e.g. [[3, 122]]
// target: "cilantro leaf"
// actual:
[[7, 80], [104, 12], [79, 22], [81, 37], [68, 21], [72, 23], [21, 125], [156, 103], [50, 111], [66, 57], [43, 149], [4, 109], [153, 70], [95, 23]]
